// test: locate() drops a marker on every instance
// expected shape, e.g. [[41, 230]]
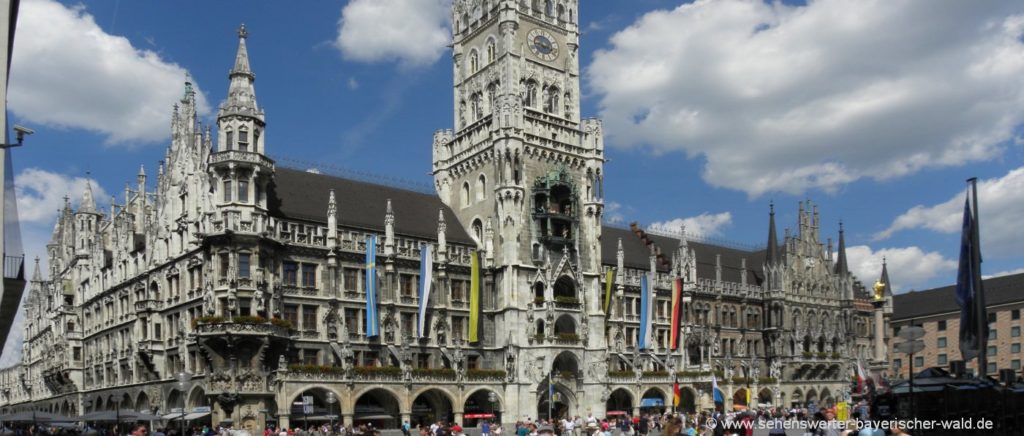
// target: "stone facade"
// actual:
[[250, 277]]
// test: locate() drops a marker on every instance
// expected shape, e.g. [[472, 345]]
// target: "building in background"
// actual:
[[937, 312], [233, 289]]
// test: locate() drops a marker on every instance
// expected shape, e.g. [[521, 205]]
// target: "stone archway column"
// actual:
[[458, 417], [406, 417], [347, 419]]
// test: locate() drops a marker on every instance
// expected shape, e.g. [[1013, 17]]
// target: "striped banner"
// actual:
[[645, 314], [677, 309], [426, 280], [474, 298], [609, 282], [372, 322]]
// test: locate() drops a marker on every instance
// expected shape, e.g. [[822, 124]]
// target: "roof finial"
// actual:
[[242, 33]]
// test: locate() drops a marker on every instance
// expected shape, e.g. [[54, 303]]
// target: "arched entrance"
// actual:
[[652, 402], [561, 407], [620, 400], [142, 403], [175, 401], [483, 404], [812, 398], [379, 407], [321, 411], [739, 398], [797, 398], [764, 398], [826, 398], [687, 400], [431, 406]]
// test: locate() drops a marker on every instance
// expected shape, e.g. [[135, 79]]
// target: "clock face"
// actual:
[[543, 44]]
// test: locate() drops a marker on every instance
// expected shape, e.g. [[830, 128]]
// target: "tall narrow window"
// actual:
[[308, 275], [243, 191], [481, 187], [474, 62], [531, 94], [229, 141], [465, 194], [225, 264], [256, 140], [491, 51], [243, 139], [290, 272], [227, 191], [243, 265]]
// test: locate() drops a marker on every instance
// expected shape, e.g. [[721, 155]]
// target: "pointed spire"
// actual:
[[772, 256], [442, 238], [332, 221], [88, 202], [242, 57], [37, 276], [841, 266], [885, 279], [389, 230]]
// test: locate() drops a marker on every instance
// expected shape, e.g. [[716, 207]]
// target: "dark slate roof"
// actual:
[[637, 255], [998, 290], [301, 195]]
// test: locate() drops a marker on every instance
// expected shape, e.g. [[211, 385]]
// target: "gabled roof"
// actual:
[[301, 195], [637, 255], [998, 290]]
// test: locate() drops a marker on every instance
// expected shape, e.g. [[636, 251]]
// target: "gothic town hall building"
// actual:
[[250, 276]]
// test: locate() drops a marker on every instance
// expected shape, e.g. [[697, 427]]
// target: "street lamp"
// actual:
[[492, 398], [184, 378], [331, 399], [20, 132]]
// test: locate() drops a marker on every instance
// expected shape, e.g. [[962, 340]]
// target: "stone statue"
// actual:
[[208, 304], [258, 297], [775, 371], [282, 363]]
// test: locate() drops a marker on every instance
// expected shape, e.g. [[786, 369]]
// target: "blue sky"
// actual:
[[877, 112]]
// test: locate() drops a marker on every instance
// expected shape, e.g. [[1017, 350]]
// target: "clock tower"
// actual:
[[524, 172]]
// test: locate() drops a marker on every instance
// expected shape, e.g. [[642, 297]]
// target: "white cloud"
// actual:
[[704, 224], [41, 194], [909, 267], [1001, 205], [411, 32], [352, 83], [791, 98], [68, 73], [1004, 273]]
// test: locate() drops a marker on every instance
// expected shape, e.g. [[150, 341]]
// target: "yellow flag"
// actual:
[[842, 411], [474, 298], [609, 281]]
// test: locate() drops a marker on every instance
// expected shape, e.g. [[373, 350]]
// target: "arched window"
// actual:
[[465, 21], [561, 13], [551, 105], [549, 8], [478, 230], [256, 140], [481, 187], [491, 51], [475, 107], [474, 62], [492, 92], [465, 194], [531, 94]]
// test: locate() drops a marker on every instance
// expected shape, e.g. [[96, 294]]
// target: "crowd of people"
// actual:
[[821, 422]]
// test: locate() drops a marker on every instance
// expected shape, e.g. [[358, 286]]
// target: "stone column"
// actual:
[[283, 421], [458, 417], [347, 420], [406, 417], [879, 331]]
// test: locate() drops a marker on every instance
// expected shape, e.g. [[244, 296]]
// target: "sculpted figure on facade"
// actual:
[[209, 306]]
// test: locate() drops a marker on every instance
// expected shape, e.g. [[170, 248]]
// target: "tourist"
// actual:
[[405, 428], [485, 427]]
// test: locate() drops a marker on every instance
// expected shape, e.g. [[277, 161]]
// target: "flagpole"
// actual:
[[979, 292]]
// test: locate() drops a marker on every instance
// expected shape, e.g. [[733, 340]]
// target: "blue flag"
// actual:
[[645, 315], [372, 323], [716, 393], [973, 326]]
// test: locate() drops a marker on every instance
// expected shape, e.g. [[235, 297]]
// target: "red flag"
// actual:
[[677, 305], [677, 396]]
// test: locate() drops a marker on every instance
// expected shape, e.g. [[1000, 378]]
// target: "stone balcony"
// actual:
[[251, 326], [148, 305]]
